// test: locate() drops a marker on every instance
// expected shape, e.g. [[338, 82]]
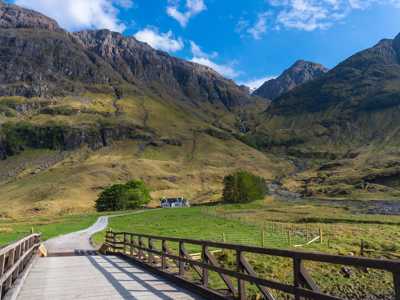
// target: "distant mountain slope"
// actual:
[[80, 111], [369, 80], [299, 73], [38, 58], [348, 120]]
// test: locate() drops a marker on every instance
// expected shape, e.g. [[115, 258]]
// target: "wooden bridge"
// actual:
[[138, 266]]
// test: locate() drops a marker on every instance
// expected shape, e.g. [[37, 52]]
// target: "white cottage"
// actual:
[[174, 202]]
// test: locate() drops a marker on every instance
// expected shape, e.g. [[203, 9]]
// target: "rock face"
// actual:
[[12, 16], [137, 62], [38, 58], [298, 74]]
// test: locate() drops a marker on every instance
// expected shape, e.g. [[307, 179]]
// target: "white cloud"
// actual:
[[260, 27], [307, 15], [162, 41], [225, 70], [81, 14], [202, 58], [310, 15], [198, 52], [254, 84], [193, 7]]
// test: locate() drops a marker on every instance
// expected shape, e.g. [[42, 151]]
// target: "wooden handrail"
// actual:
[[303, 286], [14, 258]]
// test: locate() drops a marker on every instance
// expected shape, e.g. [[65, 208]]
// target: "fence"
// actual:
[[143, 250], [13, 260]]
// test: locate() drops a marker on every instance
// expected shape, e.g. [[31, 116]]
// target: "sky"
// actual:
[[248, 41]]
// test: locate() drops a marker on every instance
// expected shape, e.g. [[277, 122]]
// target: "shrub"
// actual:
[[243, 187], [132, 195]]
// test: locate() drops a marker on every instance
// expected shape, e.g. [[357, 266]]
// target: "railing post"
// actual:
[[150, 254], [396, 283], [140, 240], [163, 257], [181, 255], [2, 262], [125, 242], [240, 269], [114, 241], [131, 244], [296, 275], [204, 277]]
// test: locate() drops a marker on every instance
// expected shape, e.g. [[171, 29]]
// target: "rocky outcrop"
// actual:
[[137, 62], [38, 58], [18, 137], [13, 16], [298, 74]]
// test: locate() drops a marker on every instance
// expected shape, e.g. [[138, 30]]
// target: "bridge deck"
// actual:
[[95, 277]]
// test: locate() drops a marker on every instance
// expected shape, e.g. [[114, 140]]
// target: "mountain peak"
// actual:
[[300, 72], [13, 16]]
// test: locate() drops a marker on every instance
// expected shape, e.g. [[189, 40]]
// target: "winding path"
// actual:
[[76, 241]]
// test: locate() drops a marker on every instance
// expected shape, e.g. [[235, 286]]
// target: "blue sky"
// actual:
[[247, 41]]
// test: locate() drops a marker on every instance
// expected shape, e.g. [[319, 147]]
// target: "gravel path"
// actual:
[[79, 240]]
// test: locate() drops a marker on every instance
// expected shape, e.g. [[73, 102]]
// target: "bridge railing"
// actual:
[[142, 250], [14, 258]]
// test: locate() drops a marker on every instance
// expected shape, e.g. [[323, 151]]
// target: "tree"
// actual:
[[243, 187], [133, 194]]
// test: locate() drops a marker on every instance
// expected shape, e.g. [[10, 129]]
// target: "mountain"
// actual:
[[80, 111], [41, 59], [344, 126], [299, 73]]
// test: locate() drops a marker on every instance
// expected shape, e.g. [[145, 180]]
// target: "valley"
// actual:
[[82, 111]]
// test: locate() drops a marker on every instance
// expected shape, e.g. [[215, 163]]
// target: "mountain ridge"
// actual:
[[299, 73]]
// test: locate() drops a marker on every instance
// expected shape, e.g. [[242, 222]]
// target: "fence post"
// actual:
[[296, 275], [125, 242], [240, 269], [289, 238], [223, 237], [262, 238], [2, 262], [131, 244], [321, 238], [140, 241], [151, 259], [396, 282], [114, 242], [362, 248], [181, 255], [163, 257], [204, 277]]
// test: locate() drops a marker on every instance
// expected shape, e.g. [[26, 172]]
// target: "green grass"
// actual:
[[49, 227], [193, 222], [244, 224]]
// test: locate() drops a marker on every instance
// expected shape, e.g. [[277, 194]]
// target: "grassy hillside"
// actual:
[[61, 153]]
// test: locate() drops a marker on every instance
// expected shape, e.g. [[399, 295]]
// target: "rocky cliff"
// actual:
[[298, 74], [38, 58]]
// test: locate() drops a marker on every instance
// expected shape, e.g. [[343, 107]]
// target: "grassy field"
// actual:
[[246, 224], [49, 227]]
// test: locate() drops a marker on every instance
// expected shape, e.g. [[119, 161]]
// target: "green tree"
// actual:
[[242, 187], [132, 195]]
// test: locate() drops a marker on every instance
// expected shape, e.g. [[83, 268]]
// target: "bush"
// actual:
[[132, 195], [243, 187]]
